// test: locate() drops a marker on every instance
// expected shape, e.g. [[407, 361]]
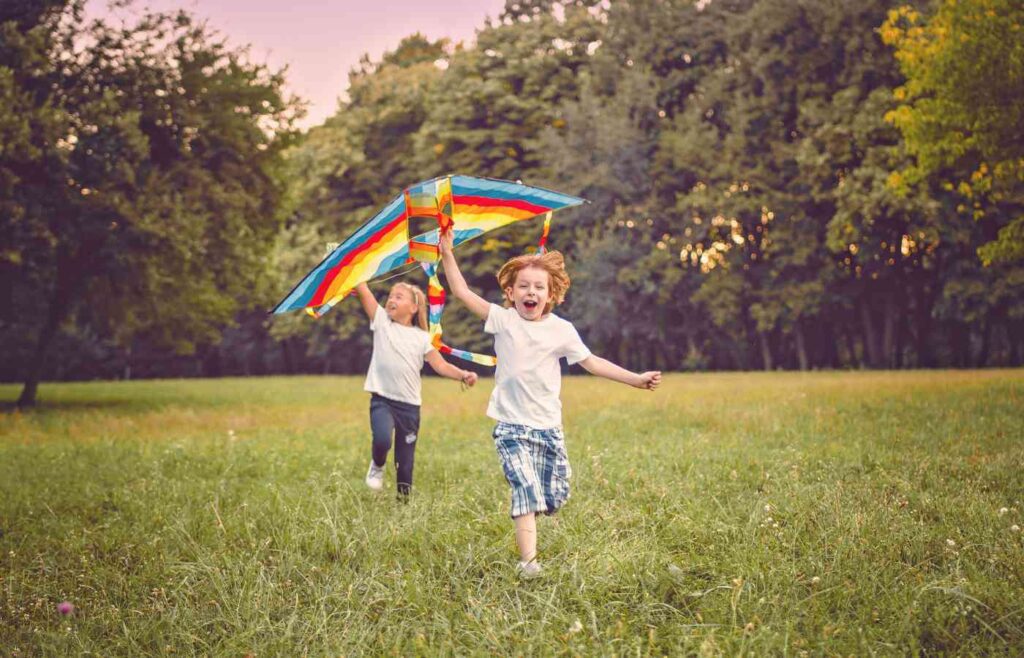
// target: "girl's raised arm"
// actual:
[[367, 299], [474, 302]]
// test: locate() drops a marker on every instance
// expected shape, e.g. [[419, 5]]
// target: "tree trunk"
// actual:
[[766, 350], [261, 351], [870, 340], [1015, 332], [961, 344], [830, 346], [655, 358], [801, 349], [692, 354], [851, 348], [888, 351], [327, 357], [58, 310], [128, 362], [923, 329], [986, 343], [901, 333], [211, 361]]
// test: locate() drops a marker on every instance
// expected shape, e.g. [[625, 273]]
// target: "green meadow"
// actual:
[[845, 513]]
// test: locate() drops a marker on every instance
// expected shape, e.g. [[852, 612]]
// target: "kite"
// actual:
[[467, 205]]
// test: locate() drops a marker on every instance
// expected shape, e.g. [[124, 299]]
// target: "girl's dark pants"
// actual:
[[402, 421]]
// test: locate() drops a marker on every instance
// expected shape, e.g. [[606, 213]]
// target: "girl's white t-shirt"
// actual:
[[528, 378], [397, 359]]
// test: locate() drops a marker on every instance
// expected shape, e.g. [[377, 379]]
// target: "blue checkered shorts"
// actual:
[[536, 467]]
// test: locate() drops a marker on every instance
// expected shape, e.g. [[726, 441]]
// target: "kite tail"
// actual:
[[542, 246], [435, 298]]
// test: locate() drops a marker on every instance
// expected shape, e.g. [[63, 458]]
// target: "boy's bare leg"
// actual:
[[526, 536]]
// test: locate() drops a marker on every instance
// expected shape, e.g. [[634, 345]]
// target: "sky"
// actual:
[[322, 40]]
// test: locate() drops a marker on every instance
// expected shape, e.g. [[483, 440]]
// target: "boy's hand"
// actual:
[[447, 242], [649, 380], [469, 378]]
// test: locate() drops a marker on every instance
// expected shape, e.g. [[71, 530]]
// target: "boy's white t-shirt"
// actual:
[[528, 378], [397, 359]]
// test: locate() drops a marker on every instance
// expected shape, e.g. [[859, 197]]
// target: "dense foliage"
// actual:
[[774, 184]]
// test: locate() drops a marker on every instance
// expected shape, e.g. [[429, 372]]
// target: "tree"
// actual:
[[962, 106], [137, 176]]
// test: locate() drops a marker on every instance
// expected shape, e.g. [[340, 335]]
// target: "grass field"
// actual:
[[827, 513]]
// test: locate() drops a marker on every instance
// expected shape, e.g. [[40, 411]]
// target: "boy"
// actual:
[[529, 340]]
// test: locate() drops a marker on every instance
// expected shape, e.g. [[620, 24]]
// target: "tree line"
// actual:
[[773, 184]]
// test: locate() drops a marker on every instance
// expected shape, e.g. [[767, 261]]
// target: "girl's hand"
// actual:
[[469, 378], [366, 299], [649, 380]]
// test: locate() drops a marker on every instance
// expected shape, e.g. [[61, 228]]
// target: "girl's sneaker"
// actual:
[[528, 570], [375, 477]]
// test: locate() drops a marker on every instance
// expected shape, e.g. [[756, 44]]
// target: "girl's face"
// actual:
[[401, 306], [530, 292]]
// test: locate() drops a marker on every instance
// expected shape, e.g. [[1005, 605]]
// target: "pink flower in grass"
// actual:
[[65, 608]]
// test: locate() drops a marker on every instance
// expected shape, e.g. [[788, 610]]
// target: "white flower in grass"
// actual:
[[950, 543], [576, 627], [815, 580], [1002, 511], [1015, 528]]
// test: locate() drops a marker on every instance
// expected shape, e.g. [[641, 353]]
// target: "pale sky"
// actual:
[[321, 41]]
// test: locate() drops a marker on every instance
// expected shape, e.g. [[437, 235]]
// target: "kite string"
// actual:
[[396, 275]]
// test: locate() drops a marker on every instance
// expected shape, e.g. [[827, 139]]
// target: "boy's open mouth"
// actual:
[[530, 304]]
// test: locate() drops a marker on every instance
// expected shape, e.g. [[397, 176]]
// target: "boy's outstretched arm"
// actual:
[[367, 299], [595, 365], [477, 304], [445, 369]]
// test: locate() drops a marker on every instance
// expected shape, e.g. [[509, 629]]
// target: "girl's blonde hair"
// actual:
[[551, 262], [419, 299]]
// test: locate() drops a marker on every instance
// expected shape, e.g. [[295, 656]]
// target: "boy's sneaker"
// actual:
[[375, 477], [528, 570]]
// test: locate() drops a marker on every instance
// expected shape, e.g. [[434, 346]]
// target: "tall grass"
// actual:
[[827, 513]]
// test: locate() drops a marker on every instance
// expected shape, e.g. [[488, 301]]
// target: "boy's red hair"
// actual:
[[551, 262]]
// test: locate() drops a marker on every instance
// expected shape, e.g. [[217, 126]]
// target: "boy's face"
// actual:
[[530, 293], [400, 307]]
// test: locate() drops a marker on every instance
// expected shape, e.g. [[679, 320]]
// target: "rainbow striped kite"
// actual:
[[470, 206]]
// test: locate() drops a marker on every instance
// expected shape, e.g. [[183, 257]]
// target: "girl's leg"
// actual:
[[407, 428], [526, 536], [405, 458], [382, 424]]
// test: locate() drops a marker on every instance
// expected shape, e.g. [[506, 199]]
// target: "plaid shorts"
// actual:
[[536, 467]]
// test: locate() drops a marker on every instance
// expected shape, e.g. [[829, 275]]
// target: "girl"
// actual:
[[529, 340], [393, 380]]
